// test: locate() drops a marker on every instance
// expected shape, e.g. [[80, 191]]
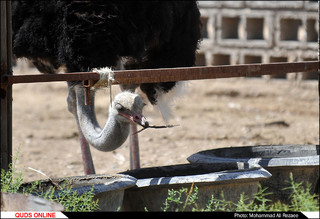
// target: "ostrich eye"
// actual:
[[119, 107]]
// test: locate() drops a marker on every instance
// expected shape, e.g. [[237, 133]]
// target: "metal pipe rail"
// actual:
[[172, 74]]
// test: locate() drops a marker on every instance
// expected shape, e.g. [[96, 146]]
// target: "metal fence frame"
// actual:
[[121, 77]]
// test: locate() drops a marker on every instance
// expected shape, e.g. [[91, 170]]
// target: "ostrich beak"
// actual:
[[135, 117]]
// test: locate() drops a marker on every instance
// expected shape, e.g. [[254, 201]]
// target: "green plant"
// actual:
[[216, 204], [300, 200], [12, 179], [72, 200], [11, 182], [174, 201]]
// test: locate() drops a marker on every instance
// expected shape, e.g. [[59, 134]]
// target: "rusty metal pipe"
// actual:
[[173, 74]]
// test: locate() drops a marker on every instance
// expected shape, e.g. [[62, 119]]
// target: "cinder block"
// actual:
[[204, 28], [278, 59], [221, 59], [223, 56], [275, 5], [307, 56], [312, 30], [259, 29], [297, 30], [250, 59], [308, 75], [229, 28], [200, 59], [244, 28], [232, 4], [290, 28], [221, 4], [311, 5], [250, 56], [289, 31], [209, 4], [255, 28], [208, 30], [229, 24]]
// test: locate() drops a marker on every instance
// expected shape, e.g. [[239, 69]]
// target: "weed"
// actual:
[[11, 181], [300, 200], [183, 199]]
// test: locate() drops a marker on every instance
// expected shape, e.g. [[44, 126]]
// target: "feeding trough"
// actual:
[[152, 185], [301, 160], [108, 189]]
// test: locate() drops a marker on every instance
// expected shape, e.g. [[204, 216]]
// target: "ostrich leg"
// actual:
[[86, 155], [134, 148]]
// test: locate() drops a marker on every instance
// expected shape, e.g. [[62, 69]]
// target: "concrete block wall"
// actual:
[[244, 32]]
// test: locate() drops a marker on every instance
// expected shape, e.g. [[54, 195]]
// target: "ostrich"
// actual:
[[74, 36], [126, 108]]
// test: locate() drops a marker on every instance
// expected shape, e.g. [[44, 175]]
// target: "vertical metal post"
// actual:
[[5, 89], [319, 80]]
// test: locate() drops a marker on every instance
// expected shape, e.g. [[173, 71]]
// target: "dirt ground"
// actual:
[[212, 114]]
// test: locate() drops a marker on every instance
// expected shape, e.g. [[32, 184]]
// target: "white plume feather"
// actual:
[[165, 101]]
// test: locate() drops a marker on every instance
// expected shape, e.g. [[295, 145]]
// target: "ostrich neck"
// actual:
[[113, 134]]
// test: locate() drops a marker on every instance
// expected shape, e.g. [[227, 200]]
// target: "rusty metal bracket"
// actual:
[[87, 84]]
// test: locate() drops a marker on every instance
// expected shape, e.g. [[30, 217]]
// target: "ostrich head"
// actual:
[[127, 107]]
